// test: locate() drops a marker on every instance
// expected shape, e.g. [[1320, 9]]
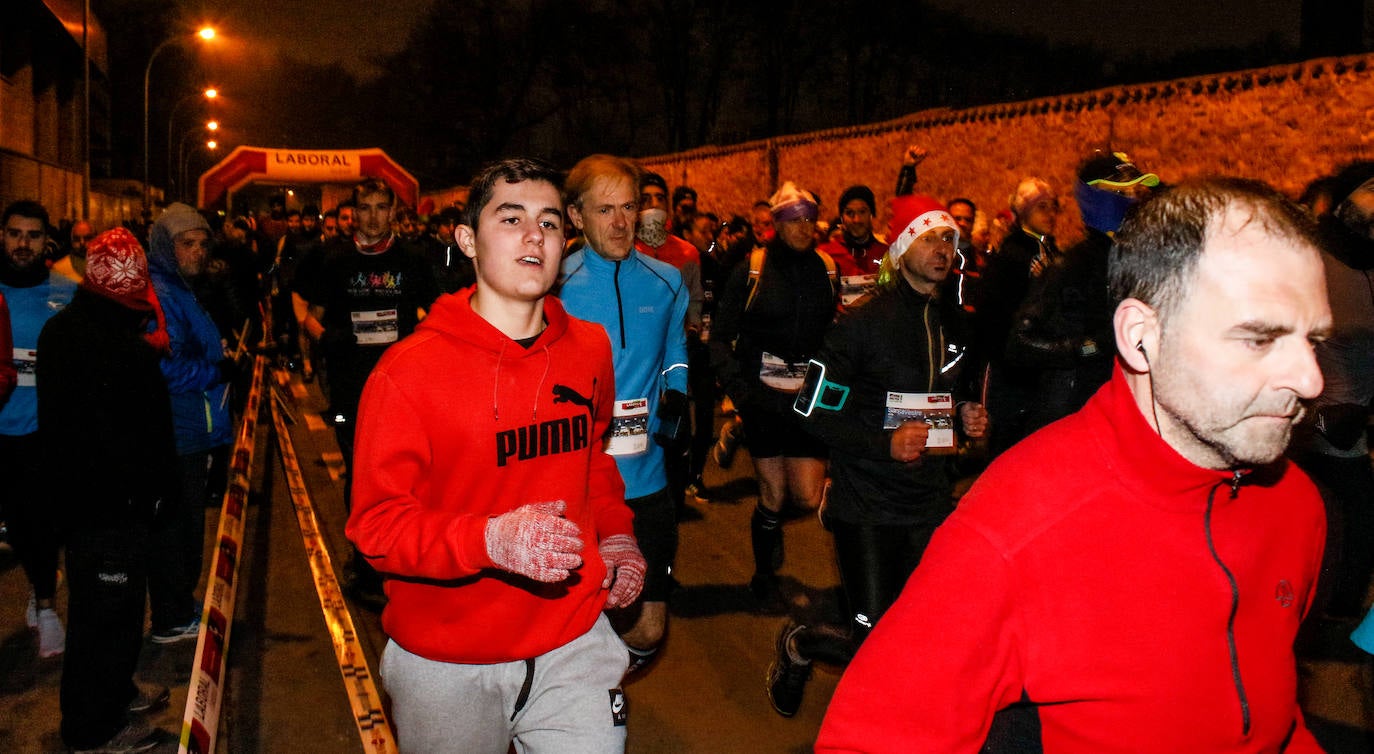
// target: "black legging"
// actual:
[[875, 562]]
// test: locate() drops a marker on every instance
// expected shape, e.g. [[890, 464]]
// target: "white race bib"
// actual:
[[852, 287], [26, 364], [376, 328], [629, 433], [935, 409], [781, 375]]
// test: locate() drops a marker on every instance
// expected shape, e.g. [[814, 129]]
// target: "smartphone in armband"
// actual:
[[815, 389]]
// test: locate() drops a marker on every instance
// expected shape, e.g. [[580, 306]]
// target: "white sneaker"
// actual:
[[31, 615], [52, 638]]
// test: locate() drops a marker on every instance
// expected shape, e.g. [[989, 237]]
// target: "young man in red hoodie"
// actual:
[[483, 496]]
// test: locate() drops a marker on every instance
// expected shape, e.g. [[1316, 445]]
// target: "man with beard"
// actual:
[[34, 295], [197, 373], [1138, 571], [903, 346]]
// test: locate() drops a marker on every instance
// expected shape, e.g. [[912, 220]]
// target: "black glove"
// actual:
[[674, 420]]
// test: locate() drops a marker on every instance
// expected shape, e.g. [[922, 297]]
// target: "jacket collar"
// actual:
[[1141, 460]]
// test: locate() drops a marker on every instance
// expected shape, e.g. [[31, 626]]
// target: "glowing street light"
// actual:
[[210, 93], [206, 33]]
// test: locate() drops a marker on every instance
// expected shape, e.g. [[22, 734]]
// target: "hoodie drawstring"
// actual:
[[496, 384]]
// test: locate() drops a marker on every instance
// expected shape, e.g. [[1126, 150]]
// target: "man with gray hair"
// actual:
[[1160, 521]]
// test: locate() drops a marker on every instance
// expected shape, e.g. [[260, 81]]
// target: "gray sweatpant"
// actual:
[[566, 701]]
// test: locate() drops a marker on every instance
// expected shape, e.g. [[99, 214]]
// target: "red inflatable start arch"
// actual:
[[245, 165]]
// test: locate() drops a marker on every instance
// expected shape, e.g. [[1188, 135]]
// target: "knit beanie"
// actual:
[[912, 216], [863, 194], [117, 269], [791, 203], [179, 218]]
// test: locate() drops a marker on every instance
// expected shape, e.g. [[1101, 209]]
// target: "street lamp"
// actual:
[[210, 146], [206, 33], [184, 156], [210, 93]]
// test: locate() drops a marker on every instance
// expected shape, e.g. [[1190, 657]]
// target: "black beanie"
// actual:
[[863, 194]]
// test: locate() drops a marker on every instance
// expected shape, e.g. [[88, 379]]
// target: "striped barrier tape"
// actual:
[[200, 721], [373, 727]]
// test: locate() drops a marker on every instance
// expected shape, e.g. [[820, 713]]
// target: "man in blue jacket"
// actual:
[[34, 295], [197, 373], [642, 303]]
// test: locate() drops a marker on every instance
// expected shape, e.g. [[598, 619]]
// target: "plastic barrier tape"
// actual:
[[373, 727], [200, 721]]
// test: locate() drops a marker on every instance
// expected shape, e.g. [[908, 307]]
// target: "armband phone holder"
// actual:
[[818, 392]]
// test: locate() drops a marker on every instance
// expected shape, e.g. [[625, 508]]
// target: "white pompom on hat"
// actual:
[[912, 216], [792, 203]]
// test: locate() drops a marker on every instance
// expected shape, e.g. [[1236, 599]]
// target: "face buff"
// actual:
[[653, 227]]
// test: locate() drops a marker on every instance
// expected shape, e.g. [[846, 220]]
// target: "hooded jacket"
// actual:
[[459, 423], [1143, 603], [200, 411], [106, 425]]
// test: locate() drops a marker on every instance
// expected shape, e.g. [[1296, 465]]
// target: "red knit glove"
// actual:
[[625, 566], [536, 541]]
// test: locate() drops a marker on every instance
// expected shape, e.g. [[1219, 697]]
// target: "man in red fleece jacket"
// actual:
[[1136, 572], [483, 496]]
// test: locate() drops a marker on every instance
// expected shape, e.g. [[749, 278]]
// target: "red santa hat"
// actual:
[[912, 216]]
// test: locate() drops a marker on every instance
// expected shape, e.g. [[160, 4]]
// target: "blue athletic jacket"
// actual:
[[200, 411], [642, 303]]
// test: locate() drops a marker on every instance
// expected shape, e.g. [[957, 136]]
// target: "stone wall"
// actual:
[[1286, 125]]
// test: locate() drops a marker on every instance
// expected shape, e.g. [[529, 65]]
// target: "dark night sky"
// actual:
[[1157, 28], [1150, 28], [350, 32]]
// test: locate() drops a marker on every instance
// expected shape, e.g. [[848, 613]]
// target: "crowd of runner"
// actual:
[[526, 391]]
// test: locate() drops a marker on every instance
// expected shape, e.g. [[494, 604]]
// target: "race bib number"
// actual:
[[935, 409], [26, 364], [781, 375], [629, 433], [853, 287], [376, 328]]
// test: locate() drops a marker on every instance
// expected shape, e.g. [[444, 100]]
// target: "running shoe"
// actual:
[[788, 674]]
